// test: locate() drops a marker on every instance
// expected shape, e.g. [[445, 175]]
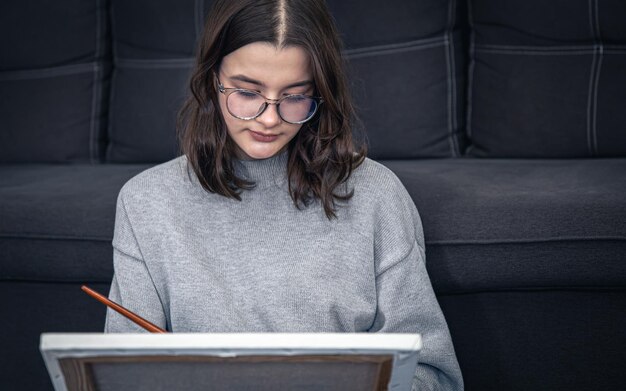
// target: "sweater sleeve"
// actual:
[[406, 300], [132, 286]]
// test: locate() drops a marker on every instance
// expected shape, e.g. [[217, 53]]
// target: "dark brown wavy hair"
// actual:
[[323, 154]]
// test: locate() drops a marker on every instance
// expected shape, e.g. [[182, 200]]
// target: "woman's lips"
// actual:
[[262, 137]]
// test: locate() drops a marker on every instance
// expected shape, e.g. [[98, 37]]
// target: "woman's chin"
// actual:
[[258, 154]]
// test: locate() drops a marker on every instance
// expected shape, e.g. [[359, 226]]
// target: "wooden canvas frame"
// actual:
[[99, 362]]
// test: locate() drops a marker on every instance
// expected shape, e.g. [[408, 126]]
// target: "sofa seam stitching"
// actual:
[[95, 86], [182, 62], [114, 70], [371, 51], [540, 53], [584, 49], [593, 78], [524, 241], [28, 236], [598, 36], [451, 74], [532, 288], [42, 73], [470, 76]]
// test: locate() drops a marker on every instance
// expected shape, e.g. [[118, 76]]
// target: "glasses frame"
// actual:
[[227, 91]]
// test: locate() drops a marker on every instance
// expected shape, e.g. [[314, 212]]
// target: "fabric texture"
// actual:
[[191, 261], [54, 71], [404, 55], [549, 333], [41, 307], [546, 78], [520, 223], [154, 45], [57, 220]]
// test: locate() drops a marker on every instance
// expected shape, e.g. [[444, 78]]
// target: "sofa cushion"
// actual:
[[57, 220], [154, 45], [53, 78], [547, 79], [520, 224], [407, 69], [145, 98]]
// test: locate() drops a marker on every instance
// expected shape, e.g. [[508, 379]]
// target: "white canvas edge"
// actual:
[[403, 347]]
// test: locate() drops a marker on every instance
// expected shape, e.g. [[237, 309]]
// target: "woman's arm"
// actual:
[[406, 300], [132, 286], [407, 303]]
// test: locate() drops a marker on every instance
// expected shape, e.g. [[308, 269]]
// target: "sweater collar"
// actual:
[[268, 171]]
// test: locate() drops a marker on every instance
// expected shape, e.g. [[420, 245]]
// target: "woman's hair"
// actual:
[[323, 154]]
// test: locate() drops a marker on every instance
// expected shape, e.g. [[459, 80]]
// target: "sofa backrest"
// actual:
[[407, 61], [547, 78], [153, 48], [54, 64], [396, 65], [102, 80]]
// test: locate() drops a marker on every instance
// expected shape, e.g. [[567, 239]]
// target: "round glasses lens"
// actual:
[[297, 108], [245, 104]]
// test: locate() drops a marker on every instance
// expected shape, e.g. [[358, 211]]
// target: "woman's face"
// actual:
[[274, 73]]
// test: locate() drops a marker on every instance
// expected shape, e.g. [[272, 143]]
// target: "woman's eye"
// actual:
[[247, 94], [297, 98]]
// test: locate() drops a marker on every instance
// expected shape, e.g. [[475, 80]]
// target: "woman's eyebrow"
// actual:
[[300, 84], [246, 79]]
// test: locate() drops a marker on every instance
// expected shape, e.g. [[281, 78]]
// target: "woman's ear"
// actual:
[[217, 84]]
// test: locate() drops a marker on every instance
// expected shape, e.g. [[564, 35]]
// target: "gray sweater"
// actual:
[[191, 261]]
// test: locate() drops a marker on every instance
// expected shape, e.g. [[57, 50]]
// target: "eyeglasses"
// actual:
[[246, 104]]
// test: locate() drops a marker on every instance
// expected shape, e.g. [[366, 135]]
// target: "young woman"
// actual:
[[272, 220]]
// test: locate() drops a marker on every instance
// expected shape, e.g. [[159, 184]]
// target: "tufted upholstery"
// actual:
[[547, 78], [525, 249]]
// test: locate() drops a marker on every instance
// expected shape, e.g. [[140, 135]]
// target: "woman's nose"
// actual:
[[270, 118]]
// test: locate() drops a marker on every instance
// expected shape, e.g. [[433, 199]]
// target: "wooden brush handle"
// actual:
[[130, 315]]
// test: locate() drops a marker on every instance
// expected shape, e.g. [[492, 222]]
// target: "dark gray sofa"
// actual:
[[504, 120]]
